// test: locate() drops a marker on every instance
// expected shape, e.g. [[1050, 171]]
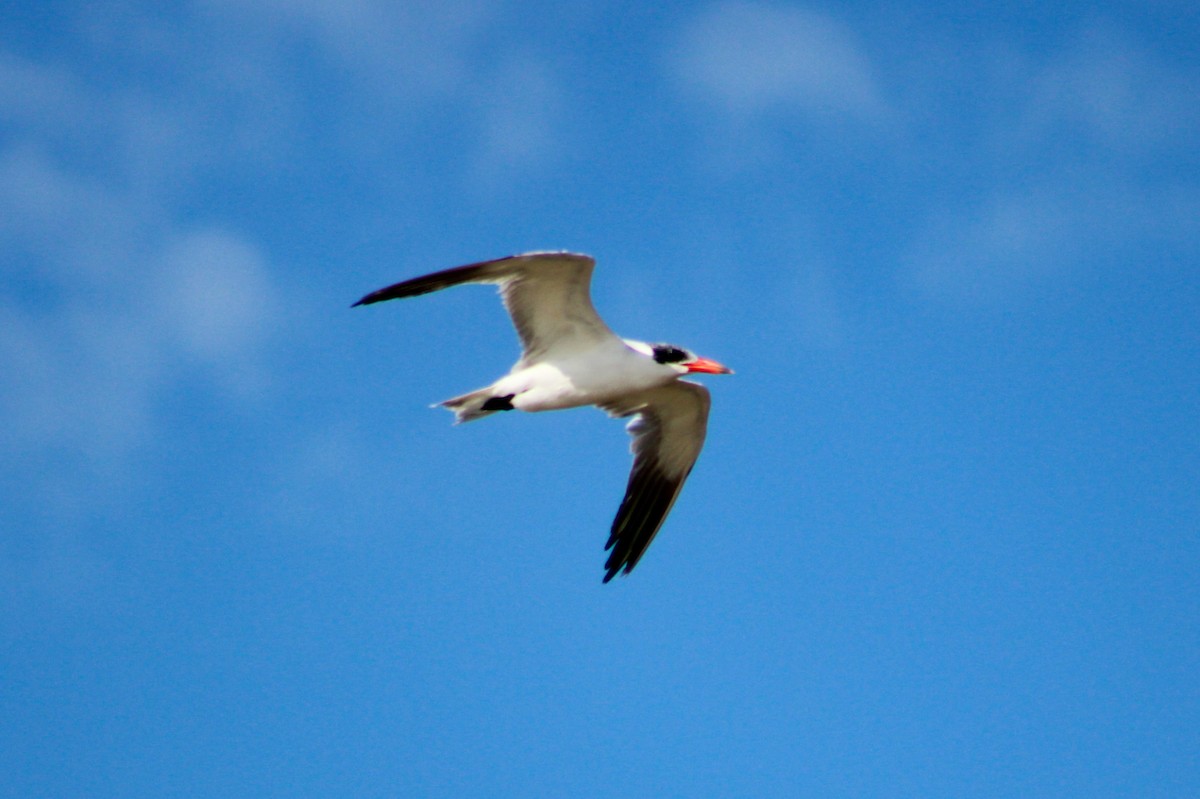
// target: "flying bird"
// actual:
[[570, 358]]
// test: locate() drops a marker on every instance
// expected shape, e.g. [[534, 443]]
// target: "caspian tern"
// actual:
[[570, 358]]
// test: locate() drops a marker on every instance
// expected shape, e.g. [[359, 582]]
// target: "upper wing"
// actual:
[[546, 294], [668, 433]]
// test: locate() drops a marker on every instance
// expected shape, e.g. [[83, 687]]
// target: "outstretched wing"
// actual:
[[668, 428], [546, 294]]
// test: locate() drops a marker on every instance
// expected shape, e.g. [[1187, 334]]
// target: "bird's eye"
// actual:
[[665, 353]]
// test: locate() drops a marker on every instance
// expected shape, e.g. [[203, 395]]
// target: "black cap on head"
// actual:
[[667, 353]]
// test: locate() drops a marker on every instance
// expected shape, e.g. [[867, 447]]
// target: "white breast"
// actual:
[[588, 377]]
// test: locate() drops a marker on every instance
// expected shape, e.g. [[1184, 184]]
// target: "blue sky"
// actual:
[[944, 539]]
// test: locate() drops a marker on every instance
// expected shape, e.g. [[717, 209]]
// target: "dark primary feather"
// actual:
[[477, 272], [648, 498], [668, 432]]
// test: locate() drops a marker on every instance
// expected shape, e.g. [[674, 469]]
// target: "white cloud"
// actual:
[[404, 48], [1068, 163], [38, 95], [389, 71], [1113, 95], [1005, 245], [85, 367], [116, 299], [215, 297], [109, 301], [326, 480], [518, 108], [66, 236], [1018, 240], [66, 228], [748, 58]]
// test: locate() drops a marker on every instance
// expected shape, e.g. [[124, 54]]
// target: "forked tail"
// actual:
[[477, 404]]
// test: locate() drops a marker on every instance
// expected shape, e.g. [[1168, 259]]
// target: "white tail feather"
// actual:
[[469, 407]]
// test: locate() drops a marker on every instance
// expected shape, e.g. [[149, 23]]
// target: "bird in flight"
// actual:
[[569, 359]]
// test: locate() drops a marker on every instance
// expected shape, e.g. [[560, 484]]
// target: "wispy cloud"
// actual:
[[1106, 93], [116, 296], [1021, 168], [1017, 240], [111, 297], [116, 292], [218, 303], [1069, 163], [746, 58], [518, 108], [38, 96], [391, 48], [88, 349], [392, 67]]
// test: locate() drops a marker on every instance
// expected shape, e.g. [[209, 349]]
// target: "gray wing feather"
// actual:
[[668, 429], [547, 294]]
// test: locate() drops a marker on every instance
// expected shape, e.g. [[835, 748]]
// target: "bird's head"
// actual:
[[681, 360]]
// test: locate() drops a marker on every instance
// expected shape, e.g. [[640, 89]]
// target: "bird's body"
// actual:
[[600, 373], [570, 358]]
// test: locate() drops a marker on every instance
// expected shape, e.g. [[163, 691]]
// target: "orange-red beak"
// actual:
[[705, 366]]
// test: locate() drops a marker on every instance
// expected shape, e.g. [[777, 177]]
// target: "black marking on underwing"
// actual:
[[498, 403]]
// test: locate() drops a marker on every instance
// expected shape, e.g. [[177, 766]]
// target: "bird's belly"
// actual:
[[547, 387]]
